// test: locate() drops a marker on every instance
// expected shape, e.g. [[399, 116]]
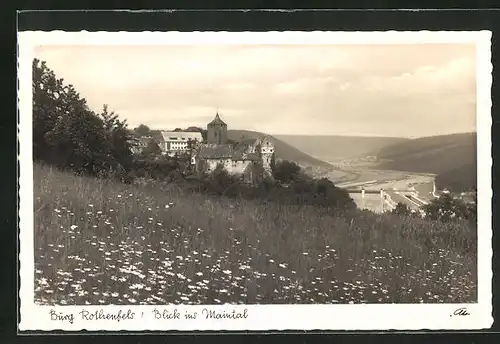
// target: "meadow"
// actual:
[[99, 242]]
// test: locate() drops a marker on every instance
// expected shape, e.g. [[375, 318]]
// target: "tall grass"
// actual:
[[103, 242]]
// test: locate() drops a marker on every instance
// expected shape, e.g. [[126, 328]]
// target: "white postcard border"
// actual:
[[260, 317]]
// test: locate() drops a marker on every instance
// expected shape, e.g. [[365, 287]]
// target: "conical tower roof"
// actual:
[[217, 120]]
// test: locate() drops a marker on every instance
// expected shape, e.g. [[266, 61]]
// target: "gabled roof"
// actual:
[[215, 151], [267, 138], [164, 136], [217, 121]]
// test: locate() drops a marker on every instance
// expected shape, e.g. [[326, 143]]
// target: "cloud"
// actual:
[[379, 89]]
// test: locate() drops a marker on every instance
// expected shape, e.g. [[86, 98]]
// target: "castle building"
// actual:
[[250, 159], [217, 131], [171, 142]]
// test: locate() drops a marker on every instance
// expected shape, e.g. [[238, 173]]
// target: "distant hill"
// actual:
[[335, 148], [451, 157], [463, 178], [283, 150]]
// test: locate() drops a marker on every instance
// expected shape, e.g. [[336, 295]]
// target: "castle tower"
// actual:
[[267, 153], [217, 131]]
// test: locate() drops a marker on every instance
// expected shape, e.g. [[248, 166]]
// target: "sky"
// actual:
[[411, 90]]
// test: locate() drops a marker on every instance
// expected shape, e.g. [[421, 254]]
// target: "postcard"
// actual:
[[196, 181]]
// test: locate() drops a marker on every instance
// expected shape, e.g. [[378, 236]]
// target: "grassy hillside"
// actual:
[[101, 242], [451, 157], [334, 148], [283, 150], [462, 178]]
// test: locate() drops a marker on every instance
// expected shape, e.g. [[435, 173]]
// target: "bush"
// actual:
[[219, 181], [402, 209], [303, 192], [159, 169], [286, 171], [446, 208], [151, 150]]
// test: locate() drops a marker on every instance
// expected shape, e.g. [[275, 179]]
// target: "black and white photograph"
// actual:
[[255, 180]]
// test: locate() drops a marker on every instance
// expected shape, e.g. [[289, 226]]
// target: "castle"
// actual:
[[249, 159]]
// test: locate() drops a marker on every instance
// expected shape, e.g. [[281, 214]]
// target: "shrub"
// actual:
[[286, 171], [402, 209], [446, 208], [219, 181]]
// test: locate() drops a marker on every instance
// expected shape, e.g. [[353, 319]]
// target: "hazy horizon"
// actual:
[[408, 91], [328, 135], [375, 136]]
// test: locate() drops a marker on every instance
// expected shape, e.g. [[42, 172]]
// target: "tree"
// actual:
[[67, 134], [52, 101], [220, 180], [142, 130], [118, 136], [152, 148], [286, 171], [402, 209], [446, 208], [191, 144], [326, 193], [199, 130], [273, 161]]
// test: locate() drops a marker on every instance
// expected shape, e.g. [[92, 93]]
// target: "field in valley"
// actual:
[[358, 176], [102, 242]]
